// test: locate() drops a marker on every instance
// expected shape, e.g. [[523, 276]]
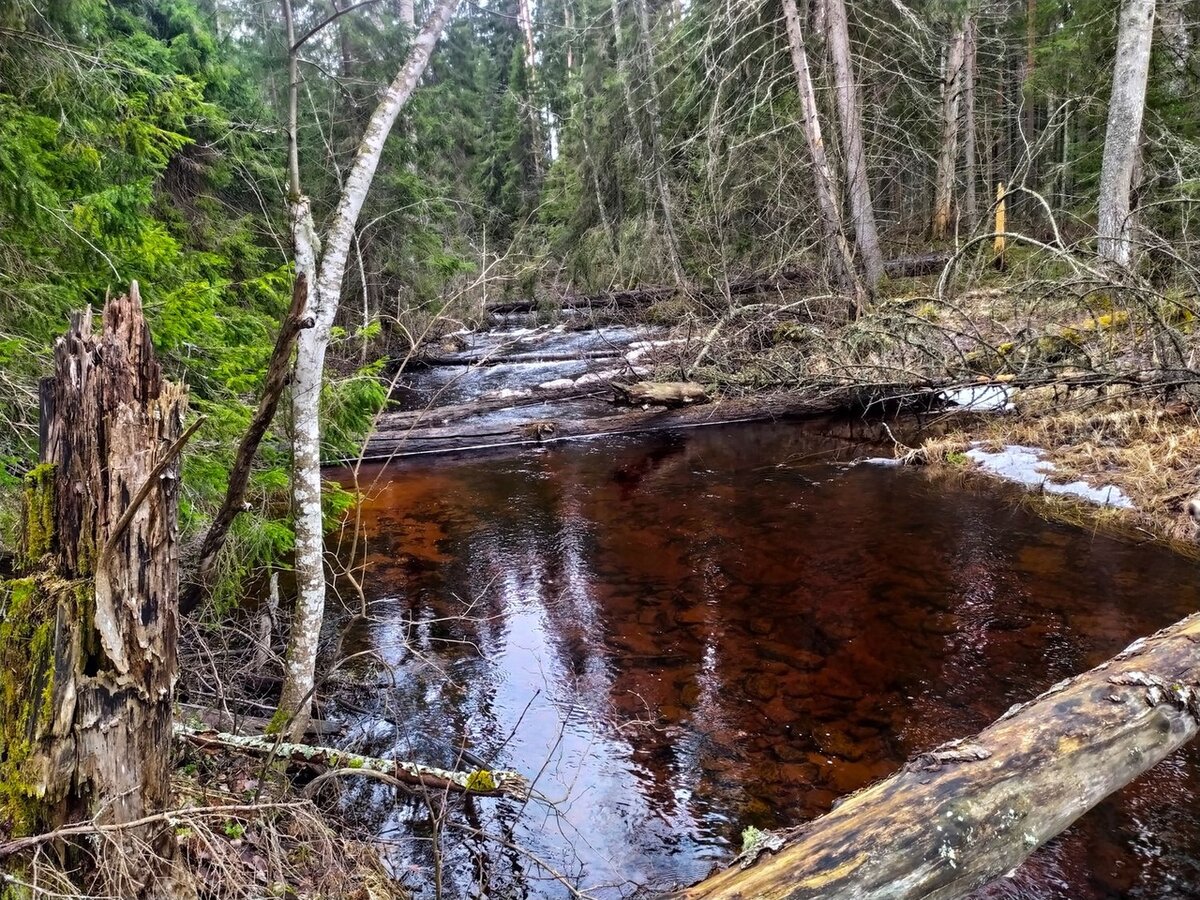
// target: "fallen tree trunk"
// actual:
[[387, 444], [526, 356], [661, 393], [801, 276], [444, 415], [961, 815], [481, 782]]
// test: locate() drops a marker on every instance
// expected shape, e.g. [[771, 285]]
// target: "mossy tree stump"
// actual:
[[88, 636]]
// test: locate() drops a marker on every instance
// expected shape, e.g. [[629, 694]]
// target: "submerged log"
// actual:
[[88, 638], [662, 393], [967, 812]]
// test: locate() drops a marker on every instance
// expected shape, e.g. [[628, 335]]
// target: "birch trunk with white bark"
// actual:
[[325, 268], [862, 209], [1125, 110], [836, 245]]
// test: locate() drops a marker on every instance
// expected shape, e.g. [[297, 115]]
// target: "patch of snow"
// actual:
[[504, 394], [880, 461], [981, 397], [557, 384], [1025, 465]]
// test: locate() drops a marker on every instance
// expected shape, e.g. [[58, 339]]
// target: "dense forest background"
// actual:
[[557, 147]]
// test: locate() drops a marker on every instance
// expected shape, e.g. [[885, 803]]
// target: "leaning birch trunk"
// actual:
[[324, 270], [1125, 110], [88, 637], [858, 183], [952, 80], [970, 811], [828, 202]]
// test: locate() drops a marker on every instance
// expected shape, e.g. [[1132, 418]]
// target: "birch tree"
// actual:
[[323, 263], [1125, 109], [825, 182], [862, 209]]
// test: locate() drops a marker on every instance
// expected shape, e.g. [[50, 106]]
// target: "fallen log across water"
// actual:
[[387, 443], [966, 813], [759, 283], [480, 782]]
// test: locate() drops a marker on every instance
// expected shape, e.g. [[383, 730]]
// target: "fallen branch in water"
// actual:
[[481, 782], [967, 812]]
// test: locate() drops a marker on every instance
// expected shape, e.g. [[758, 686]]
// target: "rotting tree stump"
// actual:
[[967, 812], [88, 636]]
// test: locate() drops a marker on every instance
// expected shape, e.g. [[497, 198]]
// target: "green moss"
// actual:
[[38, 501], [277, 723], [27, 697], [480, 780]]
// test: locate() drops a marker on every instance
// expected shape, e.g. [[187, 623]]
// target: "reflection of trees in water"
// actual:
[[710, 639]]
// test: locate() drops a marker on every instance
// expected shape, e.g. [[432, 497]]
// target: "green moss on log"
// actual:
[[38, 502], [27, 665]]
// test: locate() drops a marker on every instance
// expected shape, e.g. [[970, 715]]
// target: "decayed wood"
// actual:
[[662, 393], [481, 782], [239, 476], [88, 642], [969, 811]]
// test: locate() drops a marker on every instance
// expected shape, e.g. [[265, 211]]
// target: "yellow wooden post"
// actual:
[[1000, 242]]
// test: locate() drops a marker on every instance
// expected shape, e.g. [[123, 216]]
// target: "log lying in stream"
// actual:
[[390, 444], [798, 277], [966, 813]]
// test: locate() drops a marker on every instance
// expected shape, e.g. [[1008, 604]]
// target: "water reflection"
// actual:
[[678, 637]]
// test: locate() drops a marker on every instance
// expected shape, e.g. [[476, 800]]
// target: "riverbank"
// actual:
[[1097, 375]]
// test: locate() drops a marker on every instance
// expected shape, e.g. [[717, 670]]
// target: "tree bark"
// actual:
[[948, 156], [971, 175], [406, 13], [961, 815], [88, 639], [828, 192], [858, 183], [1125, 110], [324, 271], [239, 476]]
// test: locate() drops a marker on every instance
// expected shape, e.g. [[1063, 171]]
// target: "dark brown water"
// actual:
[[681, 636]]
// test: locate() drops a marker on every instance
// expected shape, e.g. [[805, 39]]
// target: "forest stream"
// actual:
[[677, 636]]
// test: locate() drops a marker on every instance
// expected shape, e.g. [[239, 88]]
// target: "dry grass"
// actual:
[[240, 832], [1148, 448]]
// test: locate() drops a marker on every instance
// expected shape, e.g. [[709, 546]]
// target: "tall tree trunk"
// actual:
[[952, 81], [657, 162], [836, 246], [406, 13], [88, 639], [967, 812], [858, 183], [1125, 110], [324, 270], [534, 100], [971, 176]]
